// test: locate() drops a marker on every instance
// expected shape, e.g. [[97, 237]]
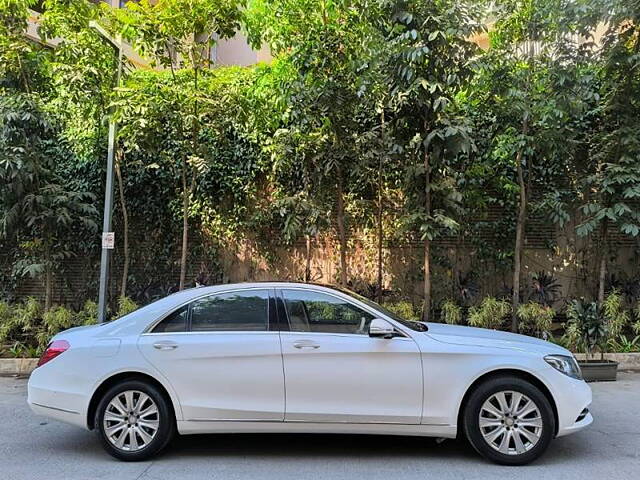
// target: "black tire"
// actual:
[[471, 420], [165, 416]]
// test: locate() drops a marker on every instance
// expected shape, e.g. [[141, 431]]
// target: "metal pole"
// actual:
[[108, 204]]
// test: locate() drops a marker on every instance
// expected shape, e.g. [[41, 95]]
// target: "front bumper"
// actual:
[[577, 426], [572, 398]]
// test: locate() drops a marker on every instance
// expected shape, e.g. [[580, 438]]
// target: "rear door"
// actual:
[[222, 356], [335, 372]]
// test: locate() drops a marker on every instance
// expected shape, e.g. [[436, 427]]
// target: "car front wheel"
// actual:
[[134, 420], [509, 420]]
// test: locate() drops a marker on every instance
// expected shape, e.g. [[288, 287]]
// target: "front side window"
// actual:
[[233, 311], [318, 312]]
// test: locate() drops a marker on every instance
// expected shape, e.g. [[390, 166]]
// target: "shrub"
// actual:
[[636, 325], [623, 344], [21, 322], [125, 306], [28, 329], [54, 320], [88, 315], [535, 318], [585, 328], [490, 313], [450, 312], [615, 316], [403, 309]]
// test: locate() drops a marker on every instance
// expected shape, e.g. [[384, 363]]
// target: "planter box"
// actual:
[[599, 370], [17, 366], [626, 361]]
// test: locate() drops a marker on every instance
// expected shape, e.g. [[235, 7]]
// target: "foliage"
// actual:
[[624, 344], [535, 318], [373, 117], [545, 288], [616, 317], [404, 309], [450, 312], [491, 313], [174, 31], [125, 306], [28, 327], [586, 328]]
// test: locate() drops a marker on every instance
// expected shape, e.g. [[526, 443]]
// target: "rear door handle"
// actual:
[[165, 345], [305, 344]]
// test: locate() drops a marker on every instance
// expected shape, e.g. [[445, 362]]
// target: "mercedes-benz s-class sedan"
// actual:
[[288, 357]]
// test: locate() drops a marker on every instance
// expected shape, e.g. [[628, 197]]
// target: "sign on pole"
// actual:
[[108, 240]]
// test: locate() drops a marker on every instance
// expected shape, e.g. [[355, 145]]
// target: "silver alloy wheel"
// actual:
[[510, 422], [131, 420]]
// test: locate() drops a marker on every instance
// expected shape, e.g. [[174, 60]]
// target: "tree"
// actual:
[[37, 211], [431, 66], [613, 186], [325, 44], [83, 70], [22, 64], [530, 84], [174, 33]]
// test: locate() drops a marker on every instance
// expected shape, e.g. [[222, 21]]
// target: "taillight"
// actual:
[[54, 349]]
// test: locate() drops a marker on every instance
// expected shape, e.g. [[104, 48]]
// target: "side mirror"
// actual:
[[381, 328]]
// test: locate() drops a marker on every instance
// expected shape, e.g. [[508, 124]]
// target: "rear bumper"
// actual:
[[59, 414], [53, 402]]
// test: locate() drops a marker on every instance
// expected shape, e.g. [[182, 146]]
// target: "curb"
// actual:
[[17, 366]]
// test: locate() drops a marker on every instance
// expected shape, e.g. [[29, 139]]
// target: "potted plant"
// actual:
[[590, 328]]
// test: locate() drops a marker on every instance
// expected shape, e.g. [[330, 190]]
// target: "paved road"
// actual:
[[33, 448]]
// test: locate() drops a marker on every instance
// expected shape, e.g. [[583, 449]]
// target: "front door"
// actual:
[[221, 358], [335, 372]]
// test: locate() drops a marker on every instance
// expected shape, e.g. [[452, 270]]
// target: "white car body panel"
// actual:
[[238, 375], [260, 382], [360, 366]]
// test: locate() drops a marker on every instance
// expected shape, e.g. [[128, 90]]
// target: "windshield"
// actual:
[[413, 325]]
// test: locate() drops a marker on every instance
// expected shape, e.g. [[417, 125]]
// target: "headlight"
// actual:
[[565, 364]]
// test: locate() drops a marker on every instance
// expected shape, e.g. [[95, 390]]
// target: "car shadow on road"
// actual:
[[346, 447]]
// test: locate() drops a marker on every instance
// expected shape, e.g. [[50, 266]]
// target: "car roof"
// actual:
[[198, 291]]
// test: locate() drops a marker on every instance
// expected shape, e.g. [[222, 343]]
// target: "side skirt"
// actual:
[[204, 426]]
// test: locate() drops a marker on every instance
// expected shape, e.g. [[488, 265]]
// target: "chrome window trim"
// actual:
[[344, 298], [150, 327]]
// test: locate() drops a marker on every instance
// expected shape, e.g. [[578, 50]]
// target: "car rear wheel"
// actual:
[[509, 420], [134, 420]]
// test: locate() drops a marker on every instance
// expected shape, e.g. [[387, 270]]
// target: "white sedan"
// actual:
[[288, 357]]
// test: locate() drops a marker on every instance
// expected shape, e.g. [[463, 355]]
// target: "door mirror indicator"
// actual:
[[381, 328]]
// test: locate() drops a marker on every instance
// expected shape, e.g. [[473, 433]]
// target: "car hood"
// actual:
[[459, 335]]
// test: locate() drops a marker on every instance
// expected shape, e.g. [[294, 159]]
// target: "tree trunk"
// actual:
[[48, 276], [125, 226], [341, 230], [603, 260], [185, 226], [517, 251], [426, 309], [307, 266], [48, 288], [380, 207]]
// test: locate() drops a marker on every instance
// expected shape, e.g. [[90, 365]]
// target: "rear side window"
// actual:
[[174, 322], [233, 311]]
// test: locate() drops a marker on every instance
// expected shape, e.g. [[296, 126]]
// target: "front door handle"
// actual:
[[165, 345], [305, 344]]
